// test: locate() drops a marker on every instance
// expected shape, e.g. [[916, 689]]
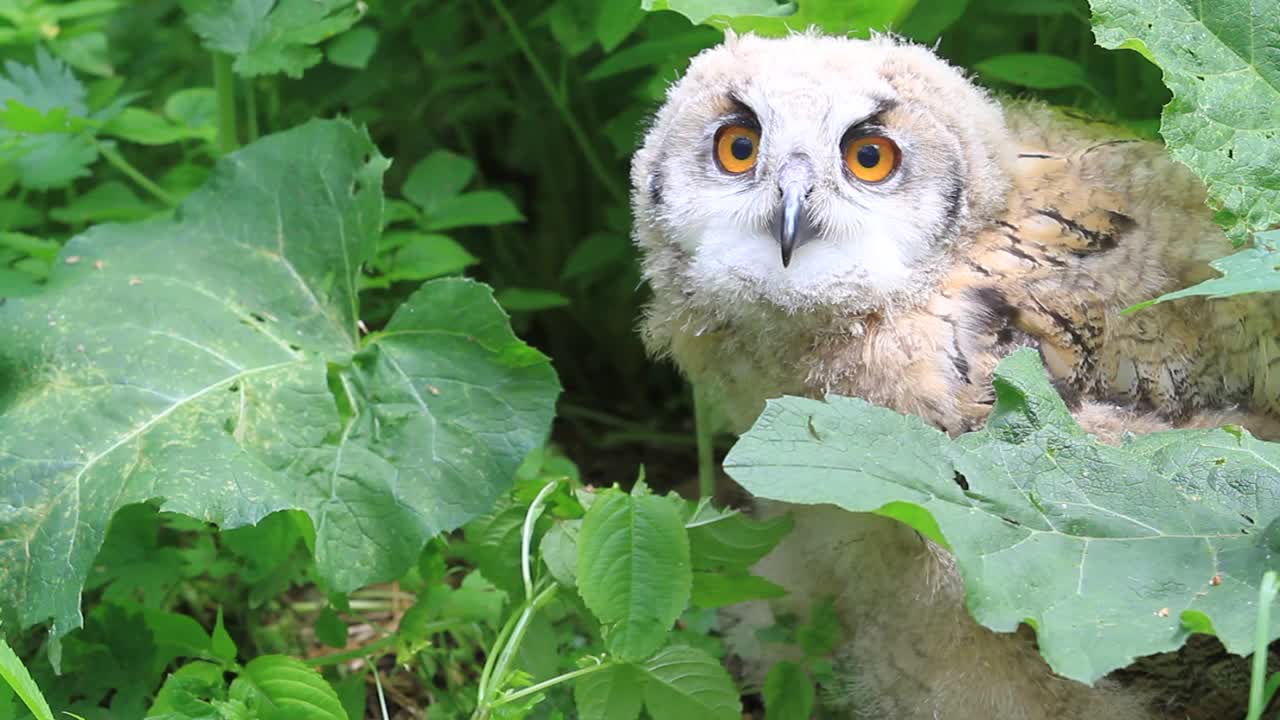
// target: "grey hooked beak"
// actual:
[[795, 178]]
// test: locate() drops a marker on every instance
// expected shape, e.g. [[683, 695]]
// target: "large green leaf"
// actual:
[[685, 682], [293, 689], [1221, 59], [767, 17], [633, 570], [271, 36], [1109, 552], [211, 362]]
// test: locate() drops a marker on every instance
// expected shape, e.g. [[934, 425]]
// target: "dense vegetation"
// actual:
[[265, 452]]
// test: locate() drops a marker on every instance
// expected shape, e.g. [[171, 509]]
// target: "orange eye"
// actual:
[[736, 147], [872, 159]]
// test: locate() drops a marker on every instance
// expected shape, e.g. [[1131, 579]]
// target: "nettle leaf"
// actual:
[[271, 36], [613, 693], [1109, 552], [15, 676], [788, 692], [685, 682], [633, 570], [294, 688], [211, 362], [1221, 63]]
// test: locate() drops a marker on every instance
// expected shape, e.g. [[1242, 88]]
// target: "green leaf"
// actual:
[[712, 589], [729, 539], [110, 201], [633, 570], [1100, 548], [482, 207], [294, 687], [245, 383], [147, 128], [437, 178], [616, 21], [15, 675], [271, 36], [610, 694], [530, 300], [928, 19], [560, 551], [179, 633], [684, 682], [594, 255], [1253, 269], [419, 256], [643, 55], [222, 646], [764, 17], [195, 109], [788, 693], [55, 153], [1034, 70], [330, 629], [1218, 60], [353, 48]]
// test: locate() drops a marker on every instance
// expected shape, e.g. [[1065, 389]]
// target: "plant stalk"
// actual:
[[548, 683], [1258, 695], [224, 86], [118, 161], [607, 180]]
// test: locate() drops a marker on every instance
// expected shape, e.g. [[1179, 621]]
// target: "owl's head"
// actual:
[[814, 171]]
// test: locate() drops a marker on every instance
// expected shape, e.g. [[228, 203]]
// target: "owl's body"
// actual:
[[997, 227]]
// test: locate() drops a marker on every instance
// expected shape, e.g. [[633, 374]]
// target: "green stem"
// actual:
[[117, 161], [510, 648], [606, 178], [706, 455], [526, 536], [1257, 690], [250, 110], [548, 683], [224, 85]]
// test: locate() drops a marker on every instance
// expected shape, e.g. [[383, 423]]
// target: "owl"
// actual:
[[830, 215]]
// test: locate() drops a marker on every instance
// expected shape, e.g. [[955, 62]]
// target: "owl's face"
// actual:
[[812, 171]]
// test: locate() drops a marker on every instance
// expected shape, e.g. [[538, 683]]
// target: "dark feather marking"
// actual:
[[1066, 325], [1007, 226], [1016, 251], [957, 357], [1097, 241], [978, 268], [655, 184], [1036, 155], [1091, 148]]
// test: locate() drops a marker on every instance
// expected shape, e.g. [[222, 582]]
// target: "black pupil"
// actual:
[[868, 156], [741, 147]]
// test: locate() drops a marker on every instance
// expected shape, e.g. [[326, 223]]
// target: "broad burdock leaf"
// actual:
[[633, 570], [271, 36], [1221, 59], [211, 362], [1109, 552]]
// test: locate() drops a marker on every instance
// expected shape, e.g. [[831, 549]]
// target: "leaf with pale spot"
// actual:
[[212, 362], [1109, 552]]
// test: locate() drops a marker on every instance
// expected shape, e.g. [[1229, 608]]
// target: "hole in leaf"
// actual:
[[233, 387], [257, 317], [961, 480]]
